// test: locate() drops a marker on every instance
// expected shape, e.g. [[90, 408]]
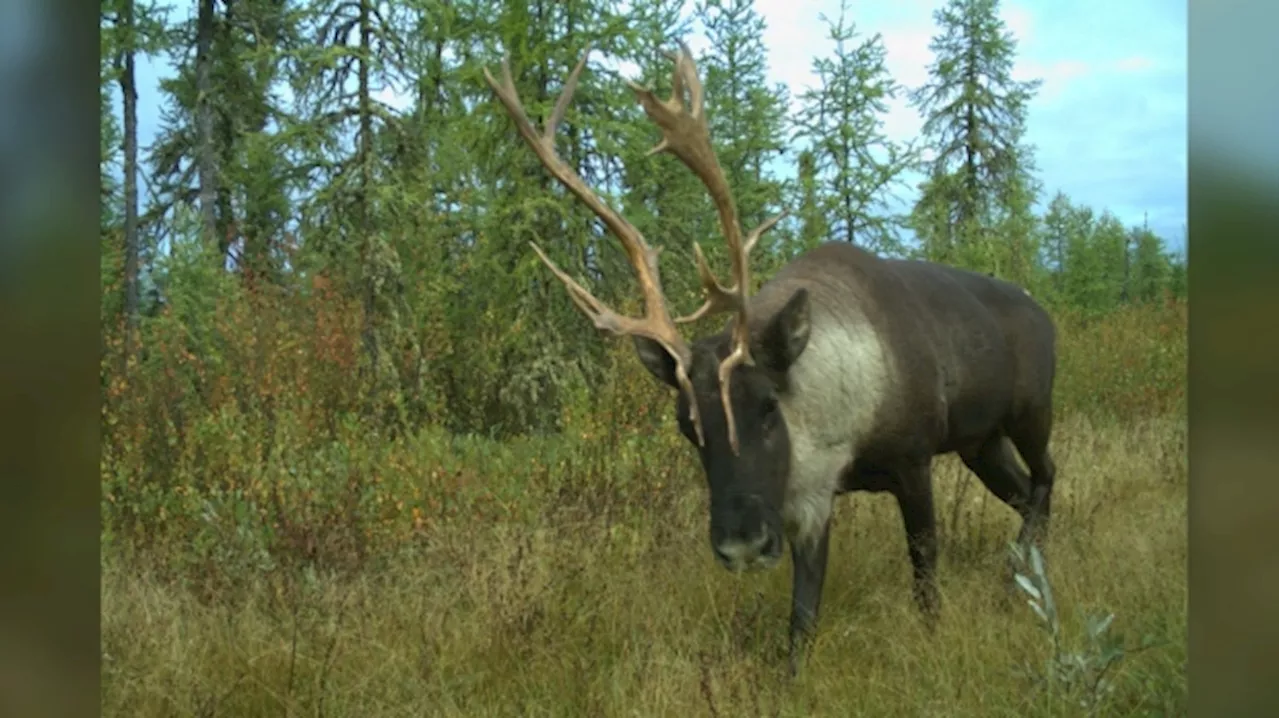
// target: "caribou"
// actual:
[[844, 372]]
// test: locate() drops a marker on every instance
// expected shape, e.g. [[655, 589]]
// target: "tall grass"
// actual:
[[266, 553]]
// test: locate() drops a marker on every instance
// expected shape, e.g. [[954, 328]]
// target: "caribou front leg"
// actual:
[[808, 572]]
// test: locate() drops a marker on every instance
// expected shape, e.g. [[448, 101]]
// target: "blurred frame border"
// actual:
[[49, 349], [1232, 242]]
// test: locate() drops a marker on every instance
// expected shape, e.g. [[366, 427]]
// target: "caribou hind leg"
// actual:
[[995, 464], [1029, 495], [1031, 436]]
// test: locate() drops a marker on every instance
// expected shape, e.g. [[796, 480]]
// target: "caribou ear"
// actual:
[[656, 359], [786, 335]]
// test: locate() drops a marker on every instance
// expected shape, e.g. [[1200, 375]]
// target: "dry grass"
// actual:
[[562, 617]]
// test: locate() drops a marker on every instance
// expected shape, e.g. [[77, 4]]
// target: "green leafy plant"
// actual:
[[1079, 674]]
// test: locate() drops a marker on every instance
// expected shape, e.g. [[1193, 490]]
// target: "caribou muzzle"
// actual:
[[742, 537]]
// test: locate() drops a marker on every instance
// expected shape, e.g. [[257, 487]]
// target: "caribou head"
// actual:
[[728, 385]]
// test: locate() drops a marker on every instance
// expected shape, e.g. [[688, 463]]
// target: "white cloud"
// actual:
[[792, 38], [907, 53], [1055, 77], [907, 57], [1019, 21]]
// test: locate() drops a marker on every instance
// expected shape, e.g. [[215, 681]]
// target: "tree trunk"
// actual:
[[207, 161], [129, 92], [227, 227], [364, 159]]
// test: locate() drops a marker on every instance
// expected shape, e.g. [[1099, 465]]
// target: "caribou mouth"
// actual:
[[759, 554]]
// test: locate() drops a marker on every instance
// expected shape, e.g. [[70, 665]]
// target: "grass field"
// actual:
[[267, 555], [569, 612]]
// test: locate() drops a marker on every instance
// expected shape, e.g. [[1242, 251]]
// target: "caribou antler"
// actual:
[[656, 323], [685, 134]]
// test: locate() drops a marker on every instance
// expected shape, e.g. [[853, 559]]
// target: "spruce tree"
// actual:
[[979, 172]]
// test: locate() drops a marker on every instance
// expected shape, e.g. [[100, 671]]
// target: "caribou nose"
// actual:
[[739, 533], [737, 554]]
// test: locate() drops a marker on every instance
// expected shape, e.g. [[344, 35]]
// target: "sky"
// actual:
[[1108, 123]]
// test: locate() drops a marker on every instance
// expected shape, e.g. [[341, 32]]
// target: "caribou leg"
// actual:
[[993, 462], [808, 572], [1031, 436], [915, 500], [995, 465]]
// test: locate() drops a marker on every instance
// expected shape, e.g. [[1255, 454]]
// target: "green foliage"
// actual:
[[1150, 267], [855, 165], [811, 210], [1094, 265], [110, 139], [1081, 675], [1132, 361]]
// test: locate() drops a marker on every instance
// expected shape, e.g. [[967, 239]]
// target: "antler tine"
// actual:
[[656, 323], [686, 71], [759, 232], [562, 104], [719, 297], [685, 134]]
